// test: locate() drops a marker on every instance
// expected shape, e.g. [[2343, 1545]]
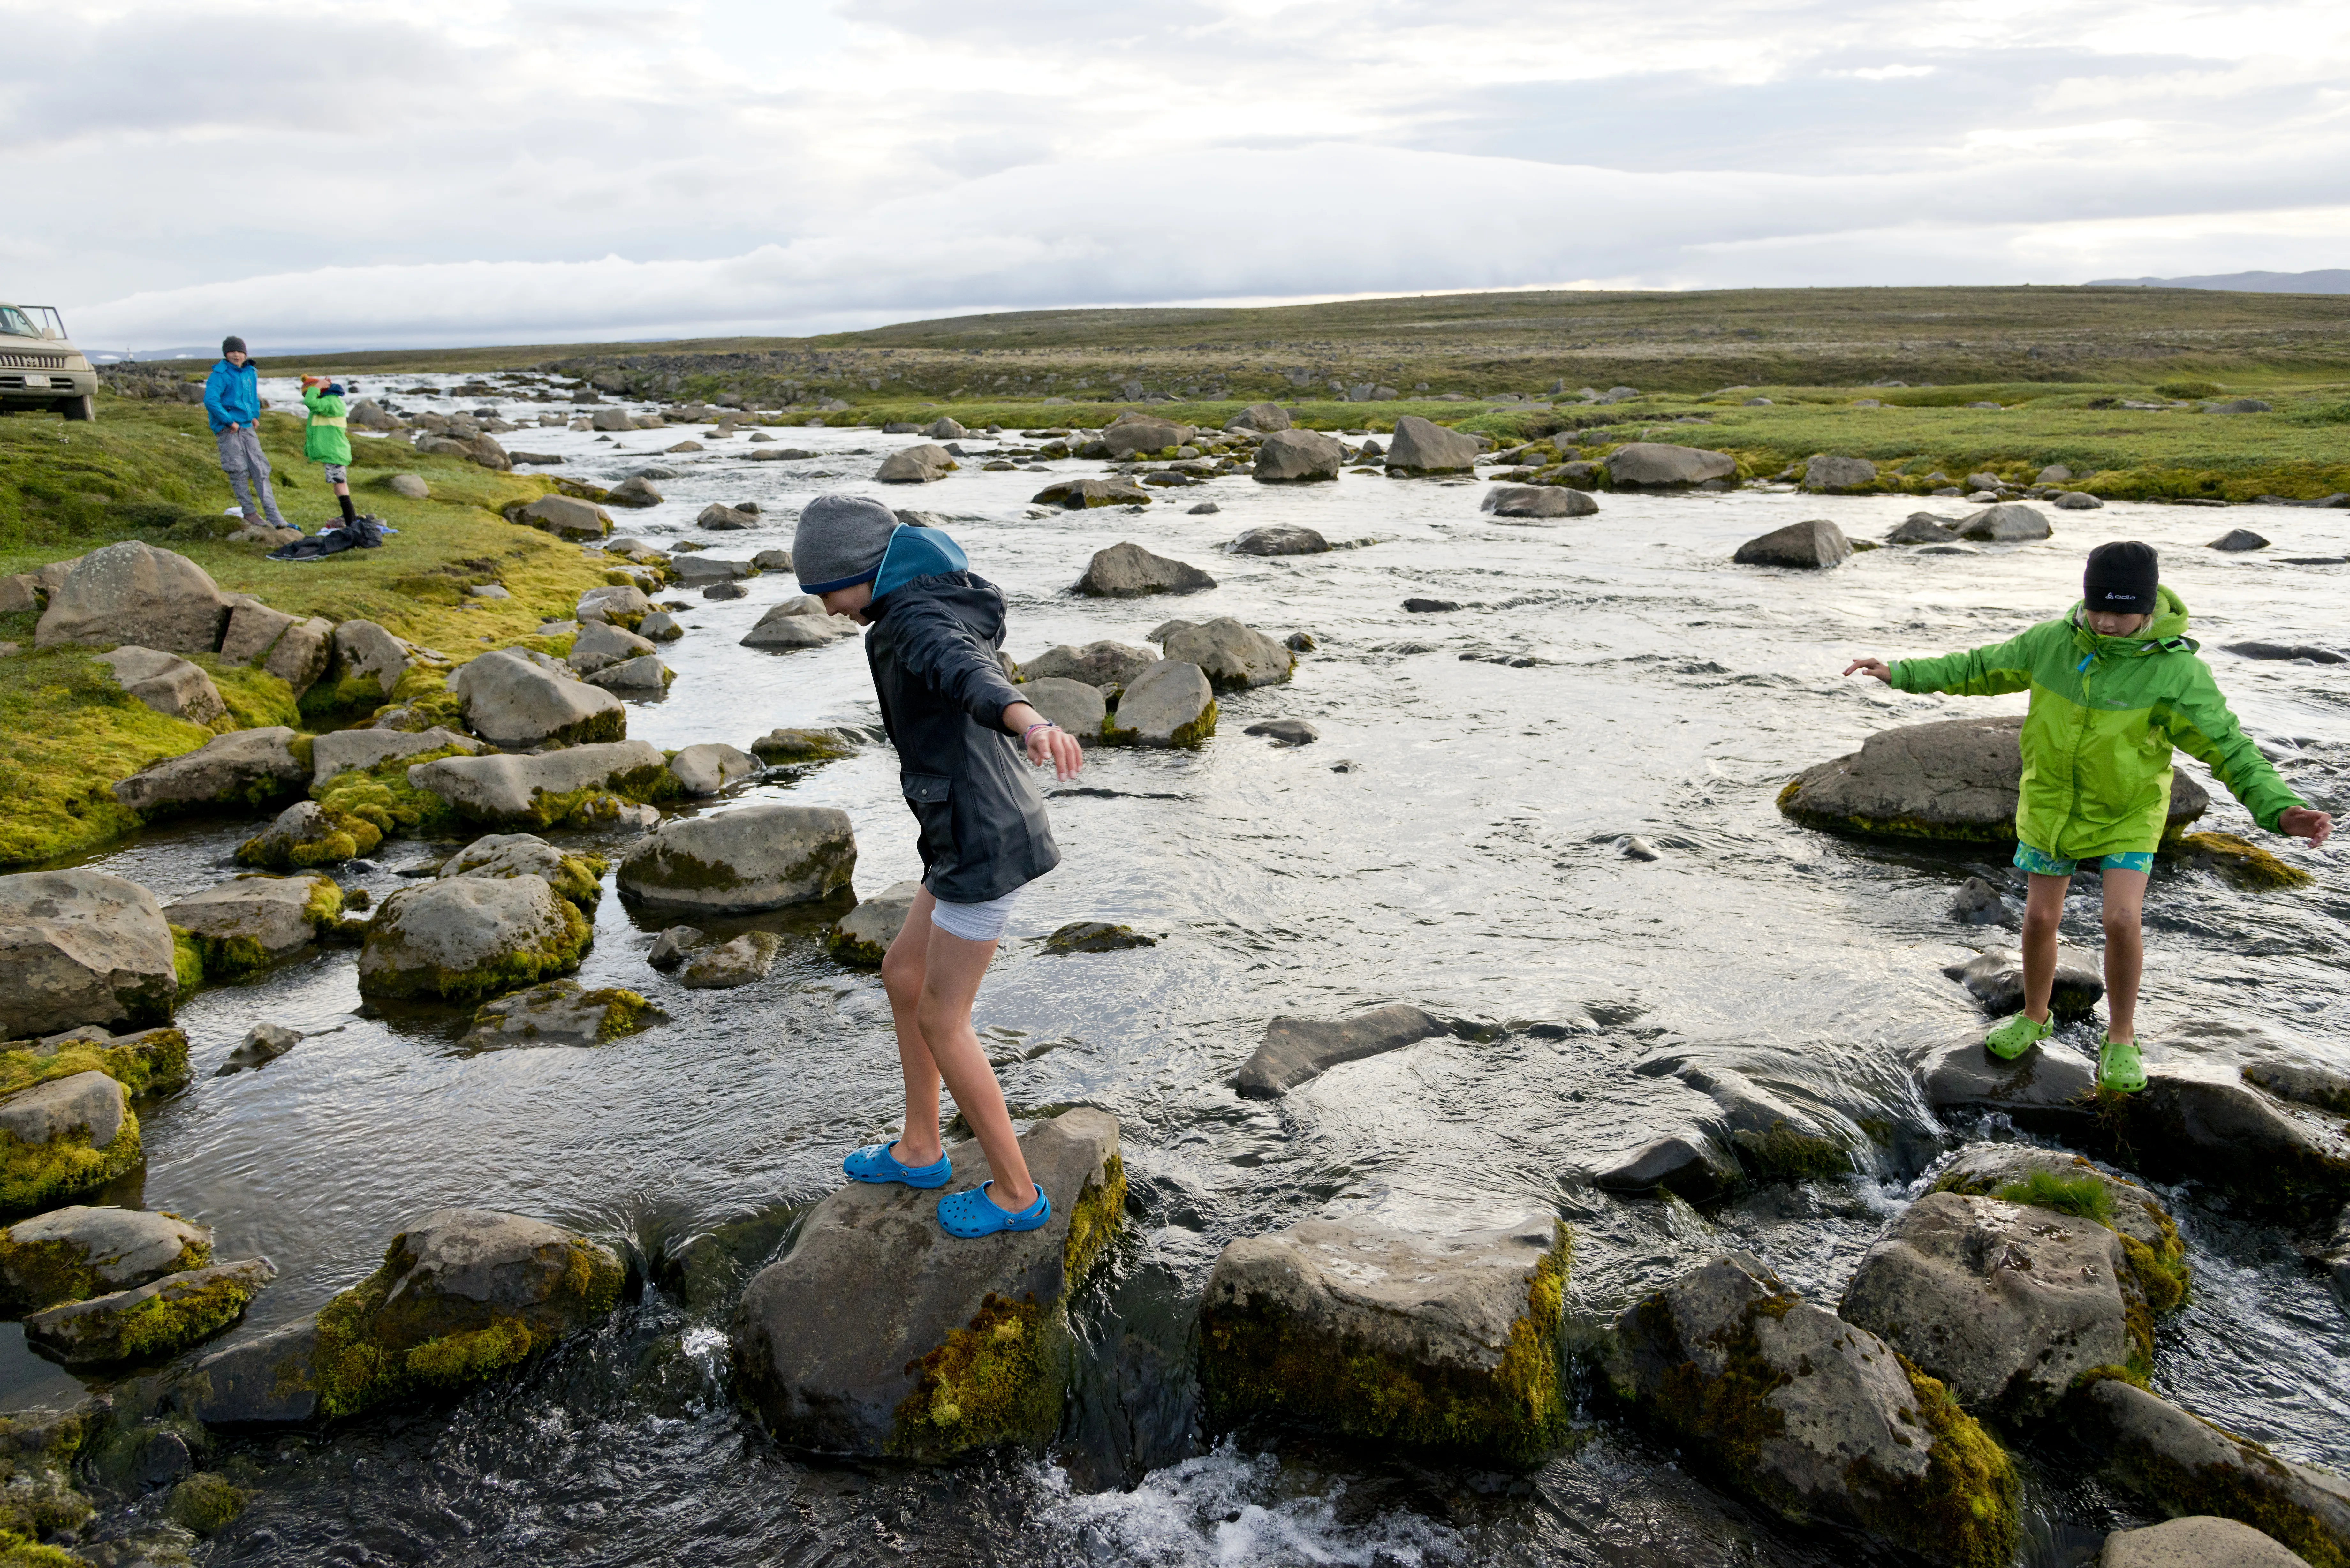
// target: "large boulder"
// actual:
[[150, 1322], [880, 1334], [134, 593], [788, 625], [559, 1012], [1954, 780], [1130, 571], [368, 661], [250, 922], [2007, 521], [1652, 465], [2200, 1541], [1101, 663], [1077, 495], [306, 833], [625, 606], [358, 751], [1459, 1334], [169, 684], [2203, 1120], [1129, 435], [578, 877], [82, 947], [566, 517], [1810, 546], [742, 861], [864, 934], [63, 1135], [1830, 475], [244, 770], [1538, 501], [1169, 705], [1232, 656], [635, 491], [2183, 1464], [544, 790], [2007, 1305], [1073, 705], [73, 1254], [1262, 418], [465, 938], [300, 655], [1423, 446], [514, 703], [924, 463], [1994, 978], [1280, 540], [1811, 1417], [600, 645], [1296, 457], [944, 429], [1296, 1050], [254, 629]]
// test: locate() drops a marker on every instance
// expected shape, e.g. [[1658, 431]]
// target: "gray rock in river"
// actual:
[[2179, 1462], [1130, 571], [1233, 657], [82, 947], [349, 751], [1077, 495], [75, 1252], [1994, 978], [263, 1043], [1924, 528], [880, 1334], [1771, 1137], [465, 938], [722, 518], [1073, 705], [1280, 540], [1978, 903], [742, 861], [1653, 465], [1297, 1050], [1811, 1417], [1811, 545], [600, 645], [1104, 663], [1538, 501], [711, 768], [248, 922], [1423, 446], [1690, 1164], [2238, 539], [695, 570], [2007, 521], [246, 770], [2024, 1173], [514, 703], [786, 627], [721, 966], [925, 463], [1286, 731], [566, 517], [1830, 475], [1459, 1333], [1952, 781], [150, 1322], [536, 791], [865, 933], [1298, 457], [1169, 705], [63, 1135], [2007, 1305], [2200, 1540], [560, 1012], [1132, 434], [2077, 501]]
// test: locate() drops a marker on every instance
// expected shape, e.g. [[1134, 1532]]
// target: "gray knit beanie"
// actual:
[[840, 542]]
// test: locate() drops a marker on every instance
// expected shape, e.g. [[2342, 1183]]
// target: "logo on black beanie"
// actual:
[[2122, 575]]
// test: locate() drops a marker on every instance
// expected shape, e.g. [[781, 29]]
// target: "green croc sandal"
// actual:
[[2119, 1066], [2017, 1035]]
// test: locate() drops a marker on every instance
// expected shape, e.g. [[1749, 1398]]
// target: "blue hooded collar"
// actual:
[[916, 553]]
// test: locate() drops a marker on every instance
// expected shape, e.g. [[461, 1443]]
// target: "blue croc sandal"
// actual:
[[971, 1214], [874, 1162]]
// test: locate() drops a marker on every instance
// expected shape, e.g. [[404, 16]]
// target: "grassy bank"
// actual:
[[147, 472]]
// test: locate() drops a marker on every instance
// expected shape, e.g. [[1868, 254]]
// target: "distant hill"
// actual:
[[2333, 280]]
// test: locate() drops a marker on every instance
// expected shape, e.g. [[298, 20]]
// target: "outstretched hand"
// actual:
[[1059, 747], [2300, 822], [1876, 666]]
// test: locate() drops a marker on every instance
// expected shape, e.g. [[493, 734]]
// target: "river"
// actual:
[[1451, 840]]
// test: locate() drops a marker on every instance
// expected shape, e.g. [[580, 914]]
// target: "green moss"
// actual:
[[205, 1502], [1963, 1510], [324, 908], [37, 1274], [23, 1551], [2084, 1196], [187, 960], [384, 799], [255, 698], [1093, 1218], [853, 949], [1254, 1361], [152, 1061], [34, 1173], [2239, 862], [177, 1317], [1785, 1154], [349, 837], [37, 1454], [462, 1360], [68, 731], [988, 1384]]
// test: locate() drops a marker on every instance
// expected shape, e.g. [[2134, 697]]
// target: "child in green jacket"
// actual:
[[327, 438], [2115, 685]]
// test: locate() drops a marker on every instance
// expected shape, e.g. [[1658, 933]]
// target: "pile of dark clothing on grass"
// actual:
[[364, 531]]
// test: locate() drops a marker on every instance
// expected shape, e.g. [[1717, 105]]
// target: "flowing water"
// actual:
[[1452, 840]]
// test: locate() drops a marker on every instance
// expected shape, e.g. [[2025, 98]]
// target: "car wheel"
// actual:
[[78, 410]]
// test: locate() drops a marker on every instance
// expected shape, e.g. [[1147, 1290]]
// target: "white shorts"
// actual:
[[975, 923]]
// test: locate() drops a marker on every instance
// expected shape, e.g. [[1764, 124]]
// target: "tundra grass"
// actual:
[[148, 471]]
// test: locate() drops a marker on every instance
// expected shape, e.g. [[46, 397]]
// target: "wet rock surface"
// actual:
[[1810, 546], [1296, 1050], [742, 861], [1538, 501], [1169, 705], [1232, 656], [1297, 457], [1130, 571], [75, 1252], [243, 924], [1104, 663], [1994, 978], [241, 771], [538, 791], [560, 1012], [721, 966], [463, 938], [81, 947], [152, 1321], [865, 933], [2202, 1541]]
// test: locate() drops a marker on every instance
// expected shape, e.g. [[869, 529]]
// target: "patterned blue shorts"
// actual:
[[2040, 864]]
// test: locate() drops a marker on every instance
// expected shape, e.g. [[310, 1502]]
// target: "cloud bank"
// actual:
[[491, 173]]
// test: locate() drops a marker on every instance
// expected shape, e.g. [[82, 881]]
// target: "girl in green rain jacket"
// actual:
[[327, 438], [2115, 685]]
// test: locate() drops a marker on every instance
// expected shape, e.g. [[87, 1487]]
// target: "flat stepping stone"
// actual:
[[1298, 1050]]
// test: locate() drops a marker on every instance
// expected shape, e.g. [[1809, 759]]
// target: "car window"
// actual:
[[16, 324]]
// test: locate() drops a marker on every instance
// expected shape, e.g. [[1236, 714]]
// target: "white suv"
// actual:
[[38, 369]]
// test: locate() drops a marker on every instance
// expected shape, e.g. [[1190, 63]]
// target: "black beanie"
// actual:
[[2121, 575], [231, 346]]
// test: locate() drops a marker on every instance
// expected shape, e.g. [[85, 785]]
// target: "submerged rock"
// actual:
[[1280, 541], [1447, 1343], [560, 1014], [263, 1043], [251, 922], [1978, 903], [244, 771], [73, 1254], [1169, 705], [1517, 501], [743, 861], [1692, 1164], [1811, 546], [1286, 731], [2236, 539], [721, 966], [1233, 657], [1130, 571], [151, 1321], [1077, 495], [1954, 780], [1095, 937], [1994, 978], [82, 947], [1297, 1050], [466, 938], [786, 748], [879, 1335], [1771, 1137], [865, 933], [1811, 1417]]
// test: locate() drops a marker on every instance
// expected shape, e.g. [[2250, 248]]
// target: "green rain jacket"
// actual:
[[2106, 711], [327, 438]]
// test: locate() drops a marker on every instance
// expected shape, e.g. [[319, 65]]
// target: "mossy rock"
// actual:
[[150, 1063], [150, 1322], [38, 1495], [86, 1146], [465, 938], [1095, 937], [206, 1502], [2239, 862]]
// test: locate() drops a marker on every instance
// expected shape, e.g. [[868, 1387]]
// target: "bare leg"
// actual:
[[2043, 906], [931, 997], [2124, 951]]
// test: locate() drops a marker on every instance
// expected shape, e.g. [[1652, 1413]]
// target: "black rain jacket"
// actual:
[[933, 649]]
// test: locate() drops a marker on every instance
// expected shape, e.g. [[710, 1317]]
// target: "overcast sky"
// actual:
[[447, 172]]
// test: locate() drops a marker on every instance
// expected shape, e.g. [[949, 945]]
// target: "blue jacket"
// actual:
[[233, 394]]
